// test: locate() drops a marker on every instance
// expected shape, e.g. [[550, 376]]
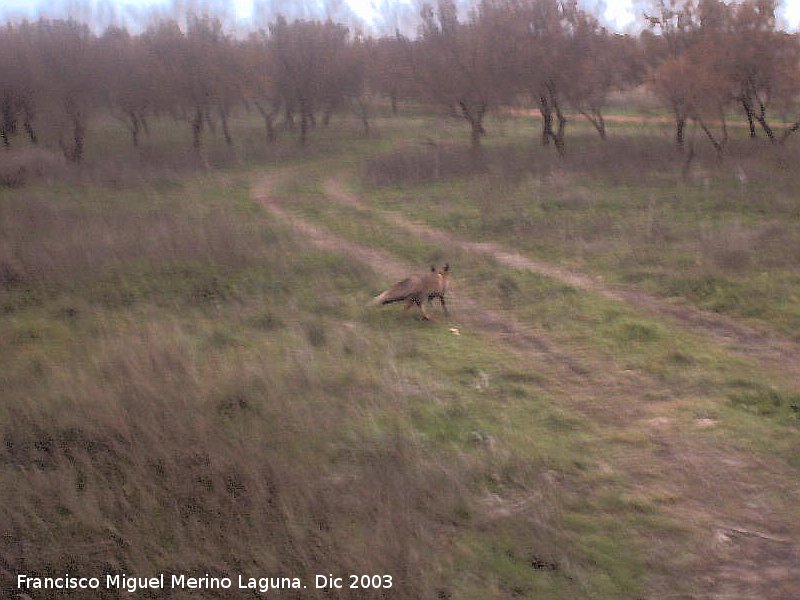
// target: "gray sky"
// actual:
[[619, 14]]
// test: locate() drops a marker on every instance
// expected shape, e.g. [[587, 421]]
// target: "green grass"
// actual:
[[190, 388], [682, 364], [149, 392], [624, 211]]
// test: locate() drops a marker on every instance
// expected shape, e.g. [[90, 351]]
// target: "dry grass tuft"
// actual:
[[19, 167], [418, 164], [62, 241], [149, 454], [730, 247]]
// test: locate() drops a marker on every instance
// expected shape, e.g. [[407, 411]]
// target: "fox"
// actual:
[[416, 288]]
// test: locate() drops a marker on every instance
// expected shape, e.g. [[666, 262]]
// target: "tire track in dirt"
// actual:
[[490, 321], [739, 507], [769, 349]]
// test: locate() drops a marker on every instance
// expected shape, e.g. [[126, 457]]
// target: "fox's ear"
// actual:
[[433, 268], [446, 267]]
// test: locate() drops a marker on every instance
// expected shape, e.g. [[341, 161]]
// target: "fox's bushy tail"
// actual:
[[376, 301], [386, 297]]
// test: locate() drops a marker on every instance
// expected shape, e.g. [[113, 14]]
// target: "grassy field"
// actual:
[[723, 236], [680, 362], [189, 386]]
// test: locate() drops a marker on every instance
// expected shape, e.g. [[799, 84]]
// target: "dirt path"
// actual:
[[738, 508], [769, 349], [628, 119]]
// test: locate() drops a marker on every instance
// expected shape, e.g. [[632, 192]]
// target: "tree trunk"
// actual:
[[475, 119], [680, 129], [303, 123], [8, 122], [74, 151], [288, 118], [5, 133], [78, 136], [719, 145], [761, 117], [30, 131], [197, 129], [268, 116], [475, 136], [212, 127], [134, 128], [562, 126], [548, 106], [595, 117], [362, 106], [547, 120], [270, 130], [748, 111], [223, 117]]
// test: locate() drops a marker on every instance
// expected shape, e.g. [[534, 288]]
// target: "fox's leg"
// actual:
[[409, 304], [444, 306], [422, 310]]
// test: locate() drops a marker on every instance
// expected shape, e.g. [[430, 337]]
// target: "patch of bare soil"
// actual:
[[768, 348], [737, 508]]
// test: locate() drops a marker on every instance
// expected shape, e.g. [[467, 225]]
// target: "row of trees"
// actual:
[[702, 58], [712, 58], [546, 53], [55, 75]]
